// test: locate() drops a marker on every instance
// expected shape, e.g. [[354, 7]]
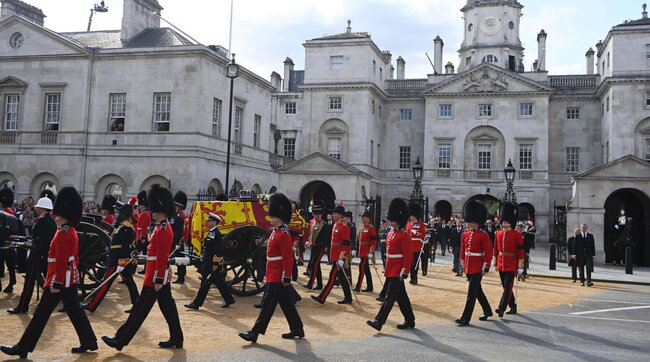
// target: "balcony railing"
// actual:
[[49, 138], [406, 86], [475, 175], [277, 161], [573, 81], [8, 137]]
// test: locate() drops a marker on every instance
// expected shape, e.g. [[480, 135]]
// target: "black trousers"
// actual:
[[474, 292], [127, 276], [214, 277], [142, 307], [395, 292], [277, 293], [8, 258], [443, 246], [44, 309], [424, 259], [508, 296], [382, 248], [585, 261], [32, 275], [456, 252], [574, 269], [335, 274], [364, 270], [414, 267], [317, 252]]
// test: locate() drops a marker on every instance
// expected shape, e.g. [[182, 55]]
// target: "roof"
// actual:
[[111, 39], [642, 21], [344, 36]]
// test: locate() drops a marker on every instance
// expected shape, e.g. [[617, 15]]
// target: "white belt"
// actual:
[[474, 254], [151, 258], [417, 239], [273, 258], [394, 256], [53, 260]]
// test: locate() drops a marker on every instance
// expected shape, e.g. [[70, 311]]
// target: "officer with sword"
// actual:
[[417, 231]]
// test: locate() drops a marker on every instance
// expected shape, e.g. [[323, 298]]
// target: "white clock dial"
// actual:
[[490, 25]]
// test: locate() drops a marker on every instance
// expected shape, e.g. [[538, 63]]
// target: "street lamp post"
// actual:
[[232, 72], [509, 171], [417, 195]]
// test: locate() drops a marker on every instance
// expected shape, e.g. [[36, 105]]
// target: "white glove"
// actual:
[[341, 262], [370, 255], [354, 253], [616, 227], [178, 246], [120, 268], [520, 271]]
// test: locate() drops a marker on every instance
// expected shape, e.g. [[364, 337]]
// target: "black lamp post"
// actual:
[[232, 72], [277, 136], [417, 195], [509, 171]]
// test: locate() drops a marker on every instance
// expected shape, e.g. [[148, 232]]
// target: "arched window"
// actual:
[[115, 190], [8, 184], [48, 185], [490, 59]]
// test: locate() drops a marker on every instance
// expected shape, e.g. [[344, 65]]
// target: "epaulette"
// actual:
[[127, 224], [163, 226], [65, 227]]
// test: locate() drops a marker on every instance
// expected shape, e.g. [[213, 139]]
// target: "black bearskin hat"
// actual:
[[280, 207], [415, 209], [398, 211], [108, 203], [475, 212], [48, 193], [180, 199], [161, 200], [6, 197], [69, 205], [221, 197], [318, 207], [508, 212], [367, 214], [349, 215], [142, 198], [125, 210], [339, 210], [522, 214]]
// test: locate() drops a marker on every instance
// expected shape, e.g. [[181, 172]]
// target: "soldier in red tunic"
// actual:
[[339, 249], [62, 279], [156, 284], [319, 238], [367, 246], [279, 266], [180, 232], [476, 254], [108, 209], [416, 230], [508, 256], [142, 226], [398, 262]]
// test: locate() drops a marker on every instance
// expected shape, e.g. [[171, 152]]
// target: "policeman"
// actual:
[[367, 247], [398, 262], [61, 282], [508, 256], [320, 236], [118, 259], [211, 263], [279, 266], [476, 254], [179, 225], [416, 230], [156, 284]]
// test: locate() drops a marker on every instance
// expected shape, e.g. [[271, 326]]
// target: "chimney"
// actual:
[[288, 67], [437, 54], [19, 8], [401, 67], [139, 15], [388, 57], [541, 51], [449, 68], [276, 80], [590, 61]]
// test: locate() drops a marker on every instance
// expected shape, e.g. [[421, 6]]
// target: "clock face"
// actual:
[[16, 40], [490, 25]]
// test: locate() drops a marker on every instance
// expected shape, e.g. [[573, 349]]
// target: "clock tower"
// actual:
[[491, 34]]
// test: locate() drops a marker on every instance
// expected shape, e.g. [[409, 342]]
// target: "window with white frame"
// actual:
[[336, 62], [12, 112], [445, 111], [117, 112], [52, 111], [335, 103], [573, 159], [405, 114], [162, 108], [647, 98], [490, 59], [257, 124], [485, 110], [526, 157], [290, 108], [405, 157], [239, 112], [647, 149], [216, 117], [647, 51], [289, 148], [334, 147], [444, 156], [573, 113], [525, 109], [484, 157]]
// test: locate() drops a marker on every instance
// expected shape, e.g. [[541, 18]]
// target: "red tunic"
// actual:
[[109, 219], [144, 220], [279, 255], [416, 230], [186, 227], [398, 253], [340, 241], [8, 210], [160, 244], [63, 258], [508, 249], [367, 239], [476, 251]]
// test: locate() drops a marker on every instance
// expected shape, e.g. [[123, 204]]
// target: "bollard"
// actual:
[[552, 258], [629, 260]]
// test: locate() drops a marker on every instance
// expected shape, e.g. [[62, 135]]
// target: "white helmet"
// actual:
[[44, 203]]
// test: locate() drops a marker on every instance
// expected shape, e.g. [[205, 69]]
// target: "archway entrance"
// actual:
[[317, 190], [490, 202], [443, 209], [637, 207]]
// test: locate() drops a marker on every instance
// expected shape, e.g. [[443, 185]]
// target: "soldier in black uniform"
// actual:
[[122, 245], [320, 236], [7, 256], [178, 225], [212, 257], [443, 236]]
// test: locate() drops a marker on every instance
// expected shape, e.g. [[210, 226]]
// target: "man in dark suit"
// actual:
[[585, 251], [570, 250], [455, 235], [443, 236], [490, 230]]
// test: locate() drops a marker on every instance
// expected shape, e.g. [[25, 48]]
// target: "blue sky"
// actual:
[[265, 32]]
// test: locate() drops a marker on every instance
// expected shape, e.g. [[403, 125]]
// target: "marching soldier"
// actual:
[[279, 266], [508, 257], [211, 262], [119, 257], [320, 236], [61, 282], [398, 262], [340, 249], [179, 225], [367, 247], [156, 284], [44, 230], [7, 256], [383, 234], [476, 253], [352, 226], [108, 209], [416, 230], [144, 221]]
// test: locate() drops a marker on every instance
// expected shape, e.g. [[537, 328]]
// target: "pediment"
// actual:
[[37, 40], [12, 82], [319, 163], [484, 137], [334, 130], [625, 167], [487, 79]]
